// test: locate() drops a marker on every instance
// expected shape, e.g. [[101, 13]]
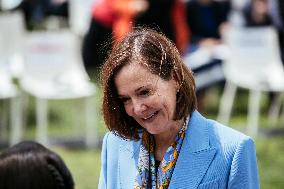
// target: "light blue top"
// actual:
[[212, 156]]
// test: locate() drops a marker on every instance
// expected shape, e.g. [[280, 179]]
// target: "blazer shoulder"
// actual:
[[113, 142], [227, 138], [112, 139], [227, 133]]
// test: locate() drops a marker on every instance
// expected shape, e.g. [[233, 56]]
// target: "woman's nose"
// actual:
[[138, 107]]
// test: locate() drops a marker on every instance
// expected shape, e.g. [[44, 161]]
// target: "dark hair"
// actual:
[[29, 165], [158, 54]]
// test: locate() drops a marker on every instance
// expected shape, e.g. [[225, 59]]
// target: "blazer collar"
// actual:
[[195, 156], [193, 161], [197, 133]]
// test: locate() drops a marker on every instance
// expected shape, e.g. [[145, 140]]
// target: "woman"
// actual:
[[29, 165], [157, 139]]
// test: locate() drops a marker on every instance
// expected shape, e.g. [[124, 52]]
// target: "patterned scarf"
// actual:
[[147, 177]]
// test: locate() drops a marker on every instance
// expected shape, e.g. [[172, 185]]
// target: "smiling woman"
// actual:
[[147, 99], [159, 59], [157, 139]]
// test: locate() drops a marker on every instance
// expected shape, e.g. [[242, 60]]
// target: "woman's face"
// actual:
[[150, 100]]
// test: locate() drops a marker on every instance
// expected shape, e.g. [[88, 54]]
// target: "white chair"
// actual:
[[254, 63], [11, 40], [80, 15], [9, 4], [53, 70]]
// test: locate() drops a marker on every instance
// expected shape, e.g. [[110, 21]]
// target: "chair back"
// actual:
[[11, 46], [53, 66], [80, 15], [254, 61], [11, 37], [9, 4]]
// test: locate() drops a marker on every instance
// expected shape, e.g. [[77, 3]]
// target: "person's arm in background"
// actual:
[[181, 29], [125, 11]]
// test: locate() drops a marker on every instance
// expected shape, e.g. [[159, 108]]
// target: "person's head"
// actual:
[[145, 83], [260, 7], [29, 165]]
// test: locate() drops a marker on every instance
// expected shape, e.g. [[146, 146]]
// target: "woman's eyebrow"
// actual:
[[141, 88]]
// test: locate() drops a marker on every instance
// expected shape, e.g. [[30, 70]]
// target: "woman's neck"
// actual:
[[164, 140]]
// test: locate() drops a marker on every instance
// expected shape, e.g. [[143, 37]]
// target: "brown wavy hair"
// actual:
[[160, 56]]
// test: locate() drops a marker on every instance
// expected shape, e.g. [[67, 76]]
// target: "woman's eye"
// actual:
[[145, 92], [124, 100]]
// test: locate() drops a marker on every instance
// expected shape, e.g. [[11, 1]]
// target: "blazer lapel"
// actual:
[[127, 163], [193, 161], [195, 156]]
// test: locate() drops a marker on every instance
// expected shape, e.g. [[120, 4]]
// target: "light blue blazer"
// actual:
[[212, 156]]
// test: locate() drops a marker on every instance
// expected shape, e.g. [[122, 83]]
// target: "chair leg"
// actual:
[[91, 138], [226, 102], [41, 121], [274, 110], [253, 112], [282, 114], [16, 109], [3, 120]]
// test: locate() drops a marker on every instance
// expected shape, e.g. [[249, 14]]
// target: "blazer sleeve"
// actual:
[[244, 171], [103, 173]]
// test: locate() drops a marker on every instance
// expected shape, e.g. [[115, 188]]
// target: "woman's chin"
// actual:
[[153, 129]]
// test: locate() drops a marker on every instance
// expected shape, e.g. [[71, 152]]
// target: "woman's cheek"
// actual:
[[128, 109]]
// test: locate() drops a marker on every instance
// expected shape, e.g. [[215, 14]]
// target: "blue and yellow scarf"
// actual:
[[147, 177]]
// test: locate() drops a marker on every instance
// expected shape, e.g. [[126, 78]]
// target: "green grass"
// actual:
[[270, 154], [84, 165]]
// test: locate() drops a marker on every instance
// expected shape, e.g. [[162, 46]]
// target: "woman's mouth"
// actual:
[[150, 117]]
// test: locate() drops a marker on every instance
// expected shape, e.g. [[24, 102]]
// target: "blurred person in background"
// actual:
[[29, 165], [115, 18], [267, 13], [110, 20], [276, 10], [206, 20], [157, 138], [261, 13], [256, 13], [35, 11], [169, 17], [96, 41]]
